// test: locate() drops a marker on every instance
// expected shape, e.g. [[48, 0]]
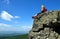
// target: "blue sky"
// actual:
[[16, 15]]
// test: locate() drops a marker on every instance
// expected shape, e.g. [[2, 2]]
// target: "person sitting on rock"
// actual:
[[43, 10], [37, 16]]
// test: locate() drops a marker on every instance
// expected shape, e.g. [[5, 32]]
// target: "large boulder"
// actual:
[[46, 26]]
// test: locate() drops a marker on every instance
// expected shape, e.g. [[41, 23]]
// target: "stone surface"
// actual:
[[46, 26]]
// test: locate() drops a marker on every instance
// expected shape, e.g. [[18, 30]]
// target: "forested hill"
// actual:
[[25, 36]]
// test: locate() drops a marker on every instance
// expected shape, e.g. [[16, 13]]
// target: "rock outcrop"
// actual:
[[46, 26]]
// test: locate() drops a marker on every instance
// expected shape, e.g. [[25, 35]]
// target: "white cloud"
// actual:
[[24, 29], [17, 17], [4, 25], [6, 16], [6, 1]]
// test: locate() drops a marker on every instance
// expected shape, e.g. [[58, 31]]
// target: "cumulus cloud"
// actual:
[[17, 17], [6, 1], [6, 16], [4, 25]]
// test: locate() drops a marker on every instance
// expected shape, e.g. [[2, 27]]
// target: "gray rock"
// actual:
[[46, 26]]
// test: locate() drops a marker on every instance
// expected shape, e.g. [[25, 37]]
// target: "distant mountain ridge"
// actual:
[[24, 36], [10, 33]]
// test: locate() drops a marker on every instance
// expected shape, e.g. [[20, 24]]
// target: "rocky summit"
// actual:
[[46, 25]]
